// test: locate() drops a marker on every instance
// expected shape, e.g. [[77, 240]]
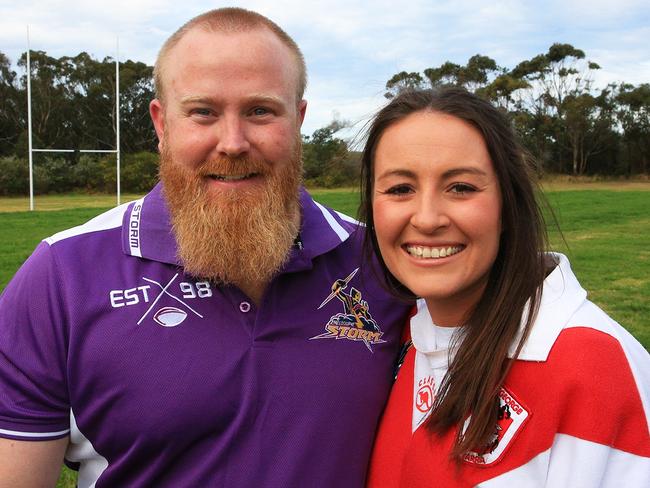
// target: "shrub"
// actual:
[[14, 176], [139, 172]]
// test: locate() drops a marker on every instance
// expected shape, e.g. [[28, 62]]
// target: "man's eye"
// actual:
[[204, 112], [462, 188], [260, 111]]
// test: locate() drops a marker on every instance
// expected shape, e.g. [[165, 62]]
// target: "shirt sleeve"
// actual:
[[606, 440], [34, 402], [593, 405]]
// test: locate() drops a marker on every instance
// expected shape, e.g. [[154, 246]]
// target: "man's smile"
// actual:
[[221, 177]]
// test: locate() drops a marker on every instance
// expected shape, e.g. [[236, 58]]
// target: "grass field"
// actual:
[[606, 228]]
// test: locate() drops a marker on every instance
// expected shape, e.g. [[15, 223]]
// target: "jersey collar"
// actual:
[[562, 295], [147, 232]]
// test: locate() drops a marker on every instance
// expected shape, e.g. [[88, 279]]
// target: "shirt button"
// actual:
[[244, 307]]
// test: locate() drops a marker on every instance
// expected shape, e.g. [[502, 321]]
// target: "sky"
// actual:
[[352, 47]]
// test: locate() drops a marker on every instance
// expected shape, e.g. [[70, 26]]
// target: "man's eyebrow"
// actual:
[[213, 101], [196, 99], [264, 99]]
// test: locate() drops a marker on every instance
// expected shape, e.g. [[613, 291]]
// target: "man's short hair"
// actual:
[[229, 20]]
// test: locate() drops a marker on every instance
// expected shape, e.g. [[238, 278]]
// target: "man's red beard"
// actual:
[[238, 237]]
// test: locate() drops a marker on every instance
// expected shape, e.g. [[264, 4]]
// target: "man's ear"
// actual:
[[157, 112], [302, 109]]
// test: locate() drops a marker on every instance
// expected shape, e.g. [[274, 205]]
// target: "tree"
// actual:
[[11, 109], [447, 73], [560, 86], [136, 91], [501, 91], [326, 158], [73, 103], [474, 75], [51, 108], [588, 122], [402, 81], [633, 113]]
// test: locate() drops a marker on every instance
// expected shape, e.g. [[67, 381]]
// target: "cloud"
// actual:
[[353, 47]]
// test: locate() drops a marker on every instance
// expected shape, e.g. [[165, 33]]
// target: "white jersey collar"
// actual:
[[562, 295]]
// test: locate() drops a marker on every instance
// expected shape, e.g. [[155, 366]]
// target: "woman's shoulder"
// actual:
[[591, 353]]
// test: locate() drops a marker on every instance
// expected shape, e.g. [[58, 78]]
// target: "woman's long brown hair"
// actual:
[[481, 363]]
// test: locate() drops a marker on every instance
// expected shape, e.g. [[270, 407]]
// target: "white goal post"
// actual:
[[32, 150]]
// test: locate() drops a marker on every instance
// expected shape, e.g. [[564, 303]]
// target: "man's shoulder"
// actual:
[[325, 229], [105, 221]]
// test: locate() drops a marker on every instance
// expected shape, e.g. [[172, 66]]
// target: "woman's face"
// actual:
[[437, 210]]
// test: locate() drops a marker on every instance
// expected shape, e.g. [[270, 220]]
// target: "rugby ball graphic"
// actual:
[[170, 316]]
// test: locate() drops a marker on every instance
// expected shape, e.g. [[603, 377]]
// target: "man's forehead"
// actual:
[[257, 44], [219, 40], [257, 57]]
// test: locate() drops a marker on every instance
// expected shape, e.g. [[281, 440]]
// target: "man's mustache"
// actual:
[[227, 166]]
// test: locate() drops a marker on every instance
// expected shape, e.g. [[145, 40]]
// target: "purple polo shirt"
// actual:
[[162, 380]]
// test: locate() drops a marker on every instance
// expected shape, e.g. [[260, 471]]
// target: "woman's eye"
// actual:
[[398, 190], [462, 188]]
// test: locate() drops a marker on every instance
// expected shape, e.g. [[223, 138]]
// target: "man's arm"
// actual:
[[31, 464]]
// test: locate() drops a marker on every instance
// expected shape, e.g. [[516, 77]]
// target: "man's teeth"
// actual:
[[231, 177], [433, 252]]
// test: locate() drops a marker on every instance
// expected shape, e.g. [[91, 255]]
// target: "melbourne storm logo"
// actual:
[[355, 323]]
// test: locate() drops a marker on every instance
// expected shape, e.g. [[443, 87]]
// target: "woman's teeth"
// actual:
[[433, 252]]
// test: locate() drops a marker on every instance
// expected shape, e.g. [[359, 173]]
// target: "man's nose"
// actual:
[[233, 140]]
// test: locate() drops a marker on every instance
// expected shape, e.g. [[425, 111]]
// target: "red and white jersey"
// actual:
[[574, 407]]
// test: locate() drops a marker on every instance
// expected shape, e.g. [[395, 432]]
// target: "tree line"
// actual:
[[567, 123], [73, 107]]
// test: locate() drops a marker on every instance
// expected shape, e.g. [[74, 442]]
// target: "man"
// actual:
[[192, 338]]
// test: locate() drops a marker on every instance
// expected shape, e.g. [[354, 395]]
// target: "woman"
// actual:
[[513, 377]]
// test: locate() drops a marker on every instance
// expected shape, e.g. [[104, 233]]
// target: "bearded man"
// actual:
[[191, 338]]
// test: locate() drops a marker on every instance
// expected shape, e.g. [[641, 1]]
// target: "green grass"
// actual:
[[606, 231], [62, 202], [607, 236]]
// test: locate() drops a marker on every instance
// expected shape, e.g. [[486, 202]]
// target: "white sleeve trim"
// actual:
[[32, 435]]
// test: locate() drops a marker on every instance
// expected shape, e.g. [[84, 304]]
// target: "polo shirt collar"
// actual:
[[147, 232]]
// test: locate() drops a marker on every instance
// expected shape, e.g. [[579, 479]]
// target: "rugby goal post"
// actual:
[[32, 150]]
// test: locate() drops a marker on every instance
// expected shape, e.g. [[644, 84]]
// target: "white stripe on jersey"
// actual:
[[134, 228], [34, 434], [347, 218], [336, 227], [108, 220], [577, 463], [82, 451]]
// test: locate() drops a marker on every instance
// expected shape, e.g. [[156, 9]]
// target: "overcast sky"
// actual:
[[352, 47]]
